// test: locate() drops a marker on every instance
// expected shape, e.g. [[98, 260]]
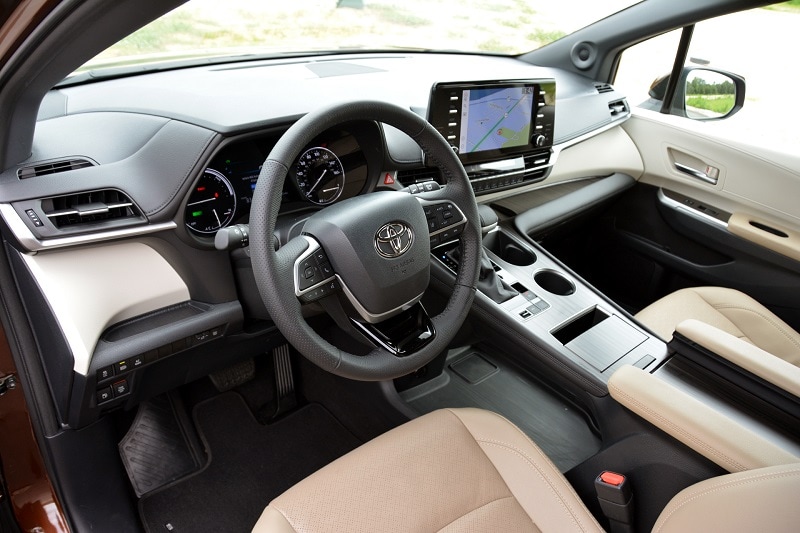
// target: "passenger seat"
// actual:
[[729, 310]]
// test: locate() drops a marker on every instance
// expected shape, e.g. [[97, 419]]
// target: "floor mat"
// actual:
[[249, 465], [158, 449], [475, 380]]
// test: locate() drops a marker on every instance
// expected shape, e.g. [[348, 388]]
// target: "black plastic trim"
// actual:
[[547, 216]]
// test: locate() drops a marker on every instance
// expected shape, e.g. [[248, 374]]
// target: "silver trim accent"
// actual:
[[488, 229], [669, 202], [371, 317], [313, 246], [104, 209], [693, 172], [32, 244]]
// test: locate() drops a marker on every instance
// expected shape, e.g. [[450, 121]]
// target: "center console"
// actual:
[[554, 321], [555, 310]]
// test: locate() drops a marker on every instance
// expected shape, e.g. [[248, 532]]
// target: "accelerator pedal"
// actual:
[[284, 381]]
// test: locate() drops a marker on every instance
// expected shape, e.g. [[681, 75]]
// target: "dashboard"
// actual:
[[110, 222]]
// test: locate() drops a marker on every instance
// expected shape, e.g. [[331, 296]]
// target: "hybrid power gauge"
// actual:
[[212, 204]]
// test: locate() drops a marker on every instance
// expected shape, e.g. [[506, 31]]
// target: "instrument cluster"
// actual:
[[334, 166]]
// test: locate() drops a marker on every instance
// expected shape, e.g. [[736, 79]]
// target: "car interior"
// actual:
[[394, 290]]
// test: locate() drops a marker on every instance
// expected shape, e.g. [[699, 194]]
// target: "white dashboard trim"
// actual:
[[91, 289]]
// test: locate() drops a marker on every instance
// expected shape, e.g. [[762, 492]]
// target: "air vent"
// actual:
[[418, 175], [536, 165], [94, 207], [603, 88], [54, 167], [618, 107]]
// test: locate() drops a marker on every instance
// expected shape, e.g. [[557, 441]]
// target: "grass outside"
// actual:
[[715, 104], [499, 26], [792, 5]]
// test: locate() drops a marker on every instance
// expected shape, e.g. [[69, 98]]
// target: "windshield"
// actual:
[[210, 28]]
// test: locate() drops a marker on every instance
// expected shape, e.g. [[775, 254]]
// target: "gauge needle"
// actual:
[[317, 183], [330, 190], [203, 201], [219, 222]]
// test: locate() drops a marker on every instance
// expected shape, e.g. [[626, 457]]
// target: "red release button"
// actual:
[[612, 478]]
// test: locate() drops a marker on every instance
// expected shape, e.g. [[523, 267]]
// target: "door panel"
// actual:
[[750, 180], [735, 224]]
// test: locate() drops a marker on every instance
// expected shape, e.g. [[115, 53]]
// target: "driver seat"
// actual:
[[472, 470]]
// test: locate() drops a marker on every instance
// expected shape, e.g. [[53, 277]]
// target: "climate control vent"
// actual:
[[618, 107], [536, 165], [603, 88], [54, 167], [93, 207], [419, 175]]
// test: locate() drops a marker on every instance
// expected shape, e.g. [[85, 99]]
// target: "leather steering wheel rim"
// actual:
[[273, 270]]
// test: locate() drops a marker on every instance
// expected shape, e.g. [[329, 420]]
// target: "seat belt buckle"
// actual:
[[616, 500]]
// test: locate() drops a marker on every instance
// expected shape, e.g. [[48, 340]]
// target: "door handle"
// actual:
[[697, 174]]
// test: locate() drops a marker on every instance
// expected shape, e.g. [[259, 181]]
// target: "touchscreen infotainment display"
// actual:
[[488, 120], [492, 119]]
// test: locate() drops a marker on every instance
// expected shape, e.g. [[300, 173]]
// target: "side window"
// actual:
[[754, 44]]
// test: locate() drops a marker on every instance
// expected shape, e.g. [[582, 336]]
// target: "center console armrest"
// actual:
[[704, 429], [761, 363]]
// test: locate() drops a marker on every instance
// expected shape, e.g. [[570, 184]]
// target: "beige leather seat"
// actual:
[[729, 310], [472, 470]]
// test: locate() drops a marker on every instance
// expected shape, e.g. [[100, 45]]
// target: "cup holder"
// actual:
[[508, 250], [554, 282]]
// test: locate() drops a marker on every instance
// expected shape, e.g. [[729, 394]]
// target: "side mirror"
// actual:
[[701, 94], [706, 94]]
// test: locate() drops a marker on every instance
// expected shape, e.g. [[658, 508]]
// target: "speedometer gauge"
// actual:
[[320, 175], [212, 204]]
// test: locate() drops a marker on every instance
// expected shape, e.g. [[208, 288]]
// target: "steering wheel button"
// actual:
[[320, 257], [308, 273], [326, 269]]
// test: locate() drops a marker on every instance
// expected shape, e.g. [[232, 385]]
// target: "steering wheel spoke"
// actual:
[[314, 277]]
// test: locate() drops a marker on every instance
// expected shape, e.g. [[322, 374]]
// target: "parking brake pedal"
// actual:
[[284, 380], [233, 376]]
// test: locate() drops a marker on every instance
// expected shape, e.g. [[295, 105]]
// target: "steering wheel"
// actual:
[[370, 254]]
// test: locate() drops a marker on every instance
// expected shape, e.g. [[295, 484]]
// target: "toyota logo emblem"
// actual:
[[393, 240]]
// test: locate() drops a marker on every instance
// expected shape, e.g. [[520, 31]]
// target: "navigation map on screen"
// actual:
[[495, 118]]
